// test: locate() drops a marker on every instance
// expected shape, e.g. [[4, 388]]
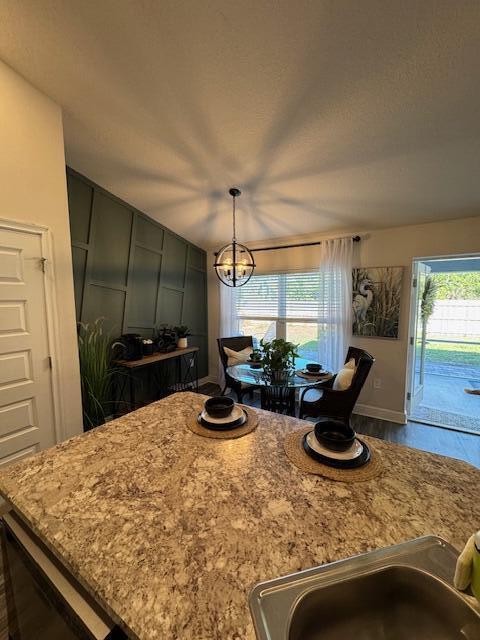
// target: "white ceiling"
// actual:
[[328, 115]]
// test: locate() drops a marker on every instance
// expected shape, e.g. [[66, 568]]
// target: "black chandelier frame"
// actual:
[[236, 249]]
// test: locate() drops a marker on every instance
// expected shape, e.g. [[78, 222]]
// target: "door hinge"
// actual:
[[411, 341], [415, 282], [50, 362], [43, 264], [409, 395]]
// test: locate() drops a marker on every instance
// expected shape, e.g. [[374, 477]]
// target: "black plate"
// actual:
[[222, 427], [359, 461]]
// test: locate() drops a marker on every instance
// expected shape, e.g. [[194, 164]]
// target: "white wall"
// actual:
[[33, 190], [384, 247]]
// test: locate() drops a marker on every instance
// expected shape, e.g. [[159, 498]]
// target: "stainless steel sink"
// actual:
[[399, 593]]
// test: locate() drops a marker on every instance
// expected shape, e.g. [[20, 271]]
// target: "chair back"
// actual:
[[363, 364], [236, 343]]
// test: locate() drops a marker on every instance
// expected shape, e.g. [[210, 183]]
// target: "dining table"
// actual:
[[278, 394]]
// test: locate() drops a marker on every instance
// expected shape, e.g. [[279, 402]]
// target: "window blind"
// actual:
[[259, 298], [283, 295]]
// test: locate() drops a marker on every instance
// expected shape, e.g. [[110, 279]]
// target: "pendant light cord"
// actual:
[[234, 229]]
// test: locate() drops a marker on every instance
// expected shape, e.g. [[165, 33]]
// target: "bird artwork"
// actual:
[[362, 300], [376, 301]]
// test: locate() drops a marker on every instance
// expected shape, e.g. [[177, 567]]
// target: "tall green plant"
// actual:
[[96, 371], [427, 306], [429, 295]]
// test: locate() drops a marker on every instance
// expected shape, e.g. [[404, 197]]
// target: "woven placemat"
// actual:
[[250, 425], [322, 377], [293, 446]]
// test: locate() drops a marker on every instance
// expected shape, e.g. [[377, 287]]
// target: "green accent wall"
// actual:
[[131, 270]]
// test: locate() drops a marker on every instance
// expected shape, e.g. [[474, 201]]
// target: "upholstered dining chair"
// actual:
[[325, 401], [235, 343]]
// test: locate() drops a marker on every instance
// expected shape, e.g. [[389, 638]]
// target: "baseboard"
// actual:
[[207, 380], [400, 417]]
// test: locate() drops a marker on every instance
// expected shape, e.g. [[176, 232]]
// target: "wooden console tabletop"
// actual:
[[156, 357]]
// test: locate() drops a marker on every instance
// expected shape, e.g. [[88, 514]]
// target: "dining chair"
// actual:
[[235, 343], [325, 401]]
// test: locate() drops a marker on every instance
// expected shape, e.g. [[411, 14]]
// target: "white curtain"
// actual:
[[228, 325], [335, 302]]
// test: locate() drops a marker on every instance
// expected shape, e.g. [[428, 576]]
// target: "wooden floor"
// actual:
[[454, 444], [463, 446]]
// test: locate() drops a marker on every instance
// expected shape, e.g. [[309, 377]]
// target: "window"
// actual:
[[283, 305]]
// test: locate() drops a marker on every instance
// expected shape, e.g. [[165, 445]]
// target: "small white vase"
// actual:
[[182, 343]]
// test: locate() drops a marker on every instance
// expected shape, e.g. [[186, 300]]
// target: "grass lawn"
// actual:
[[451, 353], [306, 335]]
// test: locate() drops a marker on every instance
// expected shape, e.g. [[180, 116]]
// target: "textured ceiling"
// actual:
[[327, 114]]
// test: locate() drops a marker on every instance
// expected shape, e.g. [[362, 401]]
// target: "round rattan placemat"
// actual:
[[293, 446], [250, 425]]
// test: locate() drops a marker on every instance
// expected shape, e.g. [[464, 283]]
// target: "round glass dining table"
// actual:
[[278, 396]]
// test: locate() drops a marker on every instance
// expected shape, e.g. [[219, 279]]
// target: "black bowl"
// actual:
[[334, 435], [314, 368], [219, 406]]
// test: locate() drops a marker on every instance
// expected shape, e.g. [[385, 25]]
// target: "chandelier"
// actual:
[[234, 263]]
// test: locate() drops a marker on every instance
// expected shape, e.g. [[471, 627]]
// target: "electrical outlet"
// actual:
[[377, 383]]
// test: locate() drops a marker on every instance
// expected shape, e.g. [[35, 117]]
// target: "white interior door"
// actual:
[[26, 400]]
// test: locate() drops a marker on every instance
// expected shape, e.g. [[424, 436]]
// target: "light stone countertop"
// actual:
[[169, 531]]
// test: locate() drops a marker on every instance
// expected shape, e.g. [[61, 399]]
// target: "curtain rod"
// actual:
[[294, 246]]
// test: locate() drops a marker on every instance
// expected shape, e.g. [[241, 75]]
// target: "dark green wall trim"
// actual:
[[133, 271], [99, 189]]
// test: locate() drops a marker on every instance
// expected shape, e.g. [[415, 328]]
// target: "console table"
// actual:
[[184, 361]]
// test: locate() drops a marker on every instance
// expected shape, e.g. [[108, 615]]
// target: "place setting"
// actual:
[[332, 449], [222, 418], [313, 371]]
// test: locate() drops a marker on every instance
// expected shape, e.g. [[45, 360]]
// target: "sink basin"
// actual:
[[388, 603], [399, 593]]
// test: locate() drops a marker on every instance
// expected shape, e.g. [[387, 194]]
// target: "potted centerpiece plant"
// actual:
[[278, 358], [182, 333]]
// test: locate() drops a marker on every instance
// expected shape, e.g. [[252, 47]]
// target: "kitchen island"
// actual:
[[169, 531]]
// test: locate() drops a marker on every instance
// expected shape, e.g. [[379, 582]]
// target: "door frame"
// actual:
[[51, 309], [412, 318]]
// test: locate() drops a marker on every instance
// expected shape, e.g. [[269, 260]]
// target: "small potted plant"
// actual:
[[182, 333], [256, 359], [278, 359]]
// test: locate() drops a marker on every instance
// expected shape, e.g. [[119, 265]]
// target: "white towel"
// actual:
[[463, 570]]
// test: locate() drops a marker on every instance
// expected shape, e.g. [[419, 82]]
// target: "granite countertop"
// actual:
[[169, 531]]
